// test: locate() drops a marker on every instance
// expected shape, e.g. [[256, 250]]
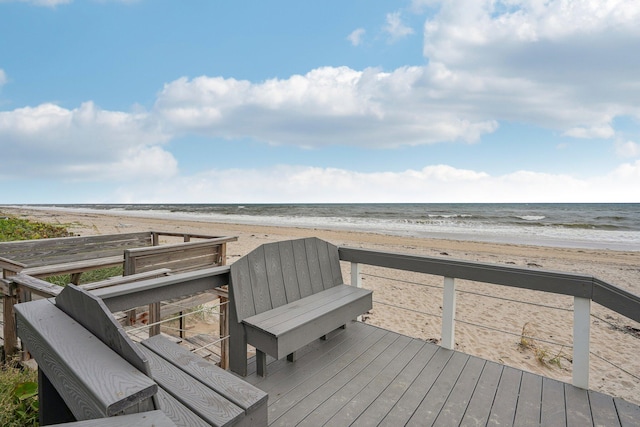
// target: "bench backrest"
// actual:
[[279, 273], [35, 253], [179, 257], [92, 313]]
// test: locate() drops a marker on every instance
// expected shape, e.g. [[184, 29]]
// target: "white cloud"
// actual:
[[356, 36], [324, 107], [49, 140], [396, 28], [627, 149], [437, 183], [568, 58]]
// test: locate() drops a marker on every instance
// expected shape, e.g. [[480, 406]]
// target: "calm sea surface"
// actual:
[[613, 226]]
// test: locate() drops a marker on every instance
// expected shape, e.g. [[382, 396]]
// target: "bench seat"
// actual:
[[282, 330]]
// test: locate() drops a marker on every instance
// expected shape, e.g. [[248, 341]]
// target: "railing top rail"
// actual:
[[577, 285]]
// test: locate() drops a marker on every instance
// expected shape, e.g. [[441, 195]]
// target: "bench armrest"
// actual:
[[92, 379]]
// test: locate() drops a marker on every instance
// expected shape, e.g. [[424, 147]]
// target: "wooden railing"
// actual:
[[583, 289]]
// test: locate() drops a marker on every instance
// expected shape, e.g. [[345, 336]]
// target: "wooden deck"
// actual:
[[369, 376]]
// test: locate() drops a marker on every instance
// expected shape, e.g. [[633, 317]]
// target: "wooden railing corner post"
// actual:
[[449, 313], [581, 335]]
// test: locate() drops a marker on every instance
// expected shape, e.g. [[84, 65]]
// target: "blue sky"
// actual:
[[141, 101]]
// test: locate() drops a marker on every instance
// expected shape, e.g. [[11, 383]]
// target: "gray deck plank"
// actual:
[[553, 412], [412, 398], [603, 410], [504, 406], [385, 402], [307, 393], [529, 401], [434, 401], [340, 378], [628, 413], [479, 408], [355, 386], [290, 399], [457, 402], [356, 406], [578, 409]]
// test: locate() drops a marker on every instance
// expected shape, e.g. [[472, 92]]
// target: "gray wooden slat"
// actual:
[[59, 250], [197, 397], [92, 379], [313, 262], [331, 304], [303, 398], [284, 339], [477, 412], [322, 249], [456, 404], [434, 401], [178, 413], [354, 387], [304, 306], [228, 385], [365, 397], [259, 282], [306, 408], [91, 312], [603, 410], [302, 268], [387, 400], [553, 403], [146, 419], [279, 403], [504, 406], [578, 410], [423, 381], [241, 282], [51, 269], [292, 289], [334, 259], [274, 275], [628, 413], [529, 401]]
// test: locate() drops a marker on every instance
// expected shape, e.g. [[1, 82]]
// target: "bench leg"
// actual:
[[261, 363], [52, 409], [292, 357]]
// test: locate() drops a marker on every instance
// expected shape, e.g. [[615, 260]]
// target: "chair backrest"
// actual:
[[279, 273], [91, 312]]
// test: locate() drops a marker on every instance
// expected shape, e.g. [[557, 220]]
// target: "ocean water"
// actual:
[[607, 225]]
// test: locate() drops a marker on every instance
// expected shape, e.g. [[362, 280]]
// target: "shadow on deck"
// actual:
[[369, 376]]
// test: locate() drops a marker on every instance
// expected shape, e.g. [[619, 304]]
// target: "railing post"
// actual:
[[356, 279], [356, 274], [449, 313], [581, 331]]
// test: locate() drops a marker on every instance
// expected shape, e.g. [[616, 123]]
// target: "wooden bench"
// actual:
[[284, 296], [89, 369]]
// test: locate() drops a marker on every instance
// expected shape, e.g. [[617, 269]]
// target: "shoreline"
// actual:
[[525, 237], [619, 268]]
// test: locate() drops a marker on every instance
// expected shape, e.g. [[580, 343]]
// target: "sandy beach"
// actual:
[[614, 338]]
